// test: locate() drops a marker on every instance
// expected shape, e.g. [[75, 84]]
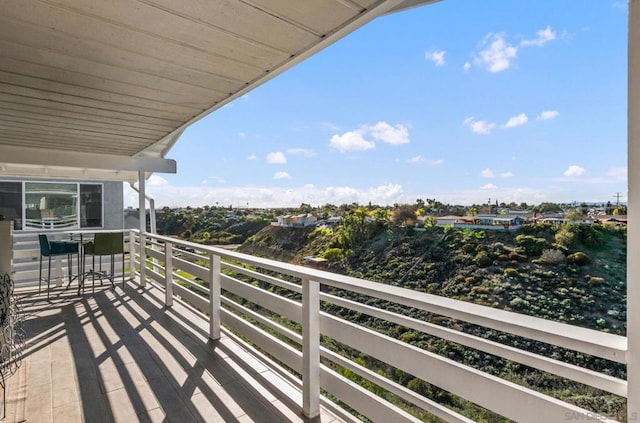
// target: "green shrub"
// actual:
[[517, 257], [468, 248], [519, 303], [462, 258], [553, 256], [595, 280], [590, 237], [333, 254], [578, 258], [533, 246], [483, 259], [408, 337], [510, 272], [565, 235]]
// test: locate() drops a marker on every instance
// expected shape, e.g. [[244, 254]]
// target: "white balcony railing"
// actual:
[[298, 315]]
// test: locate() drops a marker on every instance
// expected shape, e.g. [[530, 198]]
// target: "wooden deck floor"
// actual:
[[119, 356]]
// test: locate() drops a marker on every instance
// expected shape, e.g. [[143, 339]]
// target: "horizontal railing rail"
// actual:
[[316, 324]]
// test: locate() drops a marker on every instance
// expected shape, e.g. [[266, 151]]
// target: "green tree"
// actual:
[[404, 215]]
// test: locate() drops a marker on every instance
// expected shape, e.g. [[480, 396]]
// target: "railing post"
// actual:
[[132, 256], [143, 260], [168, 274], [633, 213], [214, 296], [310, 348]]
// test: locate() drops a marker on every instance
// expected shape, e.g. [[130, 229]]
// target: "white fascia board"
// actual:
[[408, 4], [58, 158]]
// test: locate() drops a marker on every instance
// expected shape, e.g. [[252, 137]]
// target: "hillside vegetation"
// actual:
[[571, 273]]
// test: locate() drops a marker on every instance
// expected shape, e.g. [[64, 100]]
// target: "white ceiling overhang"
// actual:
[[102, 89]]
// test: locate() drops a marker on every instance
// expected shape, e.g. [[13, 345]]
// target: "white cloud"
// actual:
[[482, 127], [548, 114], [420, 159], [543, 37], [330, 126], [479, 126], [381, 131], [301, 152], [575, 170], [387, 194], [156, 180], [487, 173], [394, 135], [497, 54], [437, 57], [466, 66], [519, 120], [215, 179], [252, 157], [506, 175], [276, 158], [281, 175], [265, 196], [350, 141]]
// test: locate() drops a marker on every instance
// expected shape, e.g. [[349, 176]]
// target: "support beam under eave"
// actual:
[[633, 227], [51, 157]]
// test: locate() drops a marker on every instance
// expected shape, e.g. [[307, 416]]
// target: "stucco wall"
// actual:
[[113, 205]]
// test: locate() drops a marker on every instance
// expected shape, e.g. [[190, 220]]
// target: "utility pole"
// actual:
[[617, 196]]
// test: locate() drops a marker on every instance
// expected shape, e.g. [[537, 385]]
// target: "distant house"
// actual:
[[334, 220], [301, 220], [452, 220], [285, 220], [329, 222], [306, 219], [620, 220], [560, 220], [483, 221]]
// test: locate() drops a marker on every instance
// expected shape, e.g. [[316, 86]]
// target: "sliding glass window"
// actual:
[[11, 202], [51, 205]]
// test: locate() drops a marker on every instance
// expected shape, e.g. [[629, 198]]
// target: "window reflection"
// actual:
[[90, 206], [51, 205]]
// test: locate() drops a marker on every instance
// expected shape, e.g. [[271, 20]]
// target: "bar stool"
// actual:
[[54, 249], [104, 244]]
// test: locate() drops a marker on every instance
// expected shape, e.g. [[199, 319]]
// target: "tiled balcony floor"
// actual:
[[120, 357]]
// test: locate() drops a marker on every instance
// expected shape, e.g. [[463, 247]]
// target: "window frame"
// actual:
[[78, 222]]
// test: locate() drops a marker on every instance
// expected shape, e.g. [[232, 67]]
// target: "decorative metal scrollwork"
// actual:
[[12, 333]]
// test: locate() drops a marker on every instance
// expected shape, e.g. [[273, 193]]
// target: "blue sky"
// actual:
[[462, 101]]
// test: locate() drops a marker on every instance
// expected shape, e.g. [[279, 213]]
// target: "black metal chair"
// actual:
[[104, 244], [51, 249]]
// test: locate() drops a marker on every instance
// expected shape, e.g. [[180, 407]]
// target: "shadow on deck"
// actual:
[[115, 356]]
